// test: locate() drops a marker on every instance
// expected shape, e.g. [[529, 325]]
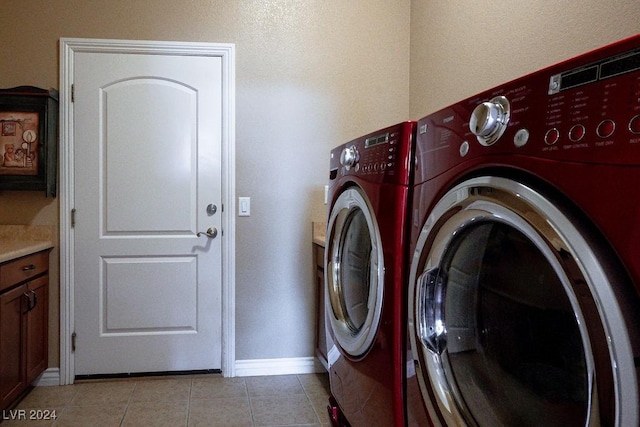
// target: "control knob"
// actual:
[[489, 120], [349, 157]]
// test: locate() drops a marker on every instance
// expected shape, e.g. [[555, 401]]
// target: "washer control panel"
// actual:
[[382, 156], [586, 109]]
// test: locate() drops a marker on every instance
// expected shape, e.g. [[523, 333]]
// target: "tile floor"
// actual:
[[202, 400]]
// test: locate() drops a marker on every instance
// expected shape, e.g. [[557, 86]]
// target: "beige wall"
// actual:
[[310, 75], [459, 48]]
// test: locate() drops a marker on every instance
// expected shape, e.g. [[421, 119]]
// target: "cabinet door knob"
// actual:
[[29, 306], [31, 303], [29, 267], [35, 299]]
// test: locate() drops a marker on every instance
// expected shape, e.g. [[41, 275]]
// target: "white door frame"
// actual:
[[69, 46]]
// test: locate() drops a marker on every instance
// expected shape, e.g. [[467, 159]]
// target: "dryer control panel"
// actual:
[[383, 156], [586, 110]]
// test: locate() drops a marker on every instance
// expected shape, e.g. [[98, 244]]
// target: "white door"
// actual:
[[147, 178]]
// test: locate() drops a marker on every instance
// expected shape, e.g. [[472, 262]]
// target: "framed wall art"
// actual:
[[29, 139]]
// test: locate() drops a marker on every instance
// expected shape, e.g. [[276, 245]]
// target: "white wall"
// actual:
[[459, 48], [314, 75], [311, 74]]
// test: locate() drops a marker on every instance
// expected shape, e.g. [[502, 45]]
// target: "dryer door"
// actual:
[[514, 317], [354, 269]]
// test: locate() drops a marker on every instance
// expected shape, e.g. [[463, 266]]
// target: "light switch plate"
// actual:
[[244, 206]]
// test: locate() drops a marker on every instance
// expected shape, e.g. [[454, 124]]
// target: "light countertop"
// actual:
[[19, 240], [319, 229]]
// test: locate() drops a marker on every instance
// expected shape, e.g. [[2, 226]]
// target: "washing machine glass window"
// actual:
[[355, 268], [511, 327], [510, 331]]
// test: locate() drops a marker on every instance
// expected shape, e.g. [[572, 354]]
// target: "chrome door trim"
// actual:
[[553, 233], [356, 344]]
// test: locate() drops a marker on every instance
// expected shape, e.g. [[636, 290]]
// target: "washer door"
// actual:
[[354, 273], [513, 317]]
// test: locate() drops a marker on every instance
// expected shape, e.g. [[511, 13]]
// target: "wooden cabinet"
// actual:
[[321, 333], [24, 312], [12, 339]]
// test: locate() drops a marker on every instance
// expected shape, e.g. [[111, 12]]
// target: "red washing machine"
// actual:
[[524, 287], [366, 276]]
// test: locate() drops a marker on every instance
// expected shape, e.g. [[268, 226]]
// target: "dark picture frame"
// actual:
[[29, 139]]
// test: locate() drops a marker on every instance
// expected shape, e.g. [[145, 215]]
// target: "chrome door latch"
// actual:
[[211, 233]]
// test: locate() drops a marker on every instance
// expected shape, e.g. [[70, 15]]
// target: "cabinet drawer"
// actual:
[[22, 269]]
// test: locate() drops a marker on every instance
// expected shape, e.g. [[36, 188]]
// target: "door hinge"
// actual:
[[73, 217], [73, 93], [73, 341]]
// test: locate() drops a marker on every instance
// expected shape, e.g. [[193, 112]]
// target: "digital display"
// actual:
[[376, 140], [622, 65], [579, 77], [600, 70]]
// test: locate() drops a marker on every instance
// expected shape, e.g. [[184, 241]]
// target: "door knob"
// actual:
[[211, 233]]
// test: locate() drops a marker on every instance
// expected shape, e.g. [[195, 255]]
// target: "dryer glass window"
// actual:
[[354, 273], [514, 351], [355, 259]]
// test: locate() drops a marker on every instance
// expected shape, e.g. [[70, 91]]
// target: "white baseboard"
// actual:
[[244, 368], [283, 366], [48, 378]]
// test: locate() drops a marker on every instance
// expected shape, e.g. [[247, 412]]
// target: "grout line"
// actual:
[[246, 389], [66, 405], [126, 408], [189, 401]]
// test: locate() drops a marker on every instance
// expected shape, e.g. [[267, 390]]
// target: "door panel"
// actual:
[[170, 139], [147, 160], [130, 281]]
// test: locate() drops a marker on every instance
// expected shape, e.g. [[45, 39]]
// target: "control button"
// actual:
[[489, 120], [521, 138], [383, 166], [576, 133], [552, 136], [634, 124], [606, 128], [464, 149]]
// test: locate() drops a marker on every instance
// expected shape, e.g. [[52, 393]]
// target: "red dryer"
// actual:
[[366, 276], [524, 288]]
